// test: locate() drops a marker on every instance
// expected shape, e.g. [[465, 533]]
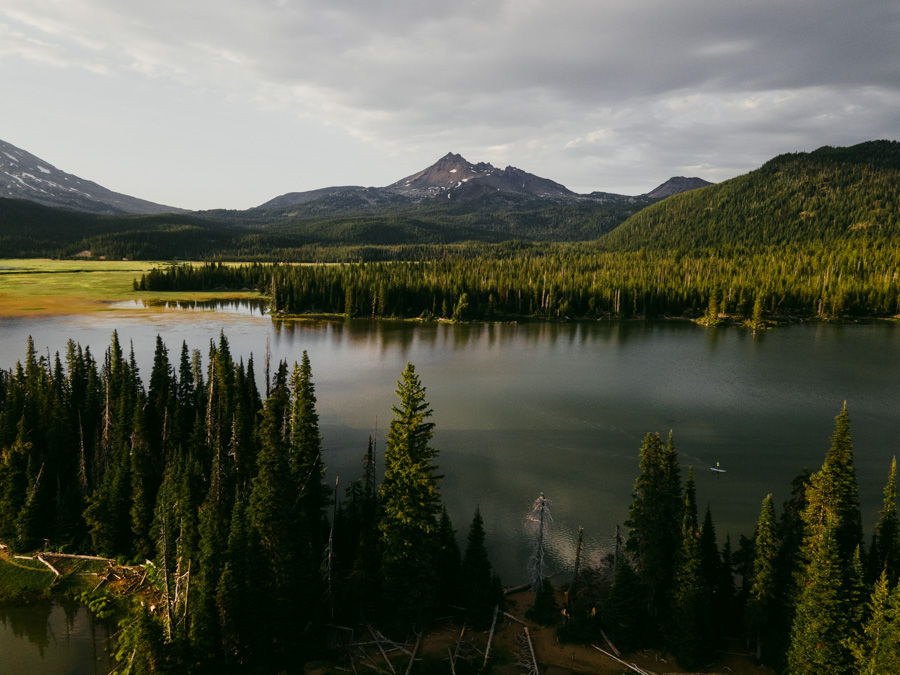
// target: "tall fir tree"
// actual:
[[884, 554], [410, 503], [479, 583], [655, 519], [762, 598], [877, 648], [828, 611], [689, 635]]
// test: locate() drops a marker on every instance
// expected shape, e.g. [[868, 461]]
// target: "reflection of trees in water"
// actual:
[[31, 621], [63, 626]]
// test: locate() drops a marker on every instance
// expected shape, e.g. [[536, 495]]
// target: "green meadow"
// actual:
[[56, 287]]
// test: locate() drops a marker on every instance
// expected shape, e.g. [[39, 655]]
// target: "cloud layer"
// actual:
[[227, 103]]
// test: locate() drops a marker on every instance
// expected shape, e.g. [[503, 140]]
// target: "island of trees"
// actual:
[[215, 485]]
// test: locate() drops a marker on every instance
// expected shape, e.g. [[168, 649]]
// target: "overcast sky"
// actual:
[[228, 103]]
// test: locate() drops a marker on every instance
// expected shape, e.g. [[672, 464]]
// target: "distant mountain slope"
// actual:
[[24, 176], [483, 186], [677, 185], [823, 195], [453, 175]]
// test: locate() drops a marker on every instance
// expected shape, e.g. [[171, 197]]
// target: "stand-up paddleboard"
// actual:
[[716, 469]]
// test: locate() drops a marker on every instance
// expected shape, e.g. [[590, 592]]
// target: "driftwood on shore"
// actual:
[[487, 650]]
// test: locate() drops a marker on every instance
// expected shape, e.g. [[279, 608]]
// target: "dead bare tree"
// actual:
[[540, 521]]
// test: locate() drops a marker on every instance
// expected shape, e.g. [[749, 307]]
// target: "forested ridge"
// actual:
[[834, 196], [219, 482]]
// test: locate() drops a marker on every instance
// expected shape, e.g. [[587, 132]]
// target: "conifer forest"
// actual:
[[215, 484]]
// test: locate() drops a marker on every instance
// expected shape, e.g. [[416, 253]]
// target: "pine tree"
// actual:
[[273, 517], [13, 481], [478, 588], [306, 456], [877, 649], [449, 562], [624, 613], [690, 631], [833, 493], [410, 504], [655, 519], [762, 584], [827, 614], [884, 553]]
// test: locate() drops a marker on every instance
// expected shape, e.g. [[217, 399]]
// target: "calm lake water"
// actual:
[[52, 638], [563, 408]]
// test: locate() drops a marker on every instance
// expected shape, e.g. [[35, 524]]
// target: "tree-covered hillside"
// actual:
[[828, 195]]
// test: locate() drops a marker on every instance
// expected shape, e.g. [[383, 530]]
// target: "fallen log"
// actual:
[[412, 658], [632, 666], [456, 653], [517, 620], [531, 649], [385, 656], [609, 642], [52, 568], [80, 557], [487, 650], [516, 589]]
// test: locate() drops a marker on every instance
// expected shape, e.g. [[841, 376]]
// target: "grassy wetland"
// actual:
[[30, 287]]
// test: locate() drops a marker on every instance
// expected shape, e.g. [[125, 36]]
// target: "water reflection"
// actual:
[[244, 306], [56, 637]]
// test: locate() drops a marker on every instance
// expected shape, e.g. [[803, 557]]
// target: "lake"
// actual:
[[51, 637], [561, 408]]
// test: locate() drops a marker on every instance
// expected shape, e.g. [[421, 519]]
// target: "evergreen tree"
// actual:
[[655, 519], [236, 596], [449, 563], [306, 459], [690, 632], [478, 579], [273, 517], [410, 504], [763, 582], [827, 614], [624, 613], [884, 553], [833, 493], [13, 481], [877, 649]]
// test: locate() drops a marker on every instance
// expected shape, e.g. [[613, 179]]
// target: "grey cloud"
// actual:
[[572, 86]]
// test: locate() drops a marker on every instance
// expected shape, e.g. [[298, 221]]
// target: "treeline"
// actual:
[[223, 491], [578, 281]]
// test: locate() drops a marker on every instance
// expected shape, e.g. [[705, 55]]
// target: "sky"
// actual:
[[228, 103]]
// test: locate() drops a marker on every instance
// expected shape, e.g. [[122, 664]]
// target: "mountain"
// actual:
[[827, 195], [483, 186], [453, 175], [676, 185], [24, 176]]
